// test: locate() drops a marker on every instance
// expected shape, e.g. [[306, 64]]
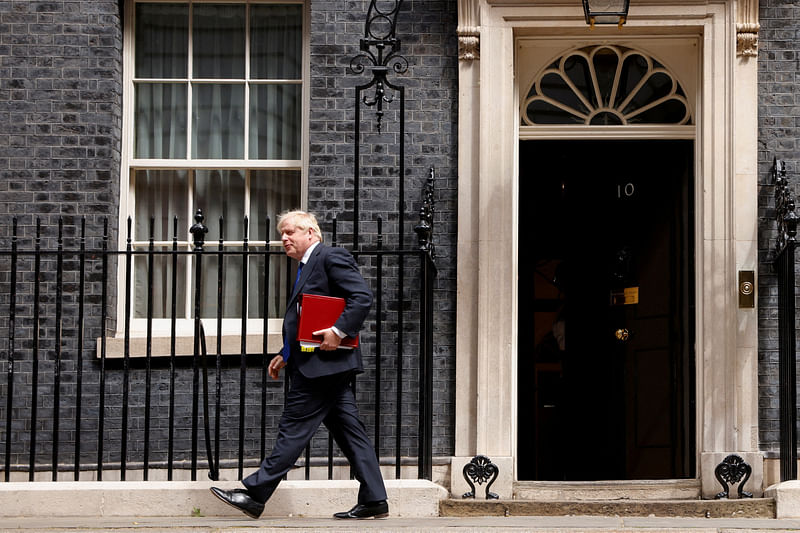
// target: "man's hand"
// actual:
[[275, 366], [330, 340]]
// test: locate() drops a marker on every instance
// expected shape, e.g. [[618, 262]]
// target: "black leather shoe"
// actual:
[[378, 509], [240, 499]]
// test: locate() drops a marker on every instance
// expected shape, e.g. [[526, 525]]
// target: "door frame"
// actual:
[[725, 230]]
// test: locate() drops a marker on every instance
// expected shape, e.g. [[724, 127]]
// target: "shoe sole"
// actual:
[[220, 498], [373, 517]]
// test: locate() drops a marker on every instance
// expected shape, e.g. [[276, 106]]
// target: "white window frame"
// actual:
[[130, 164]]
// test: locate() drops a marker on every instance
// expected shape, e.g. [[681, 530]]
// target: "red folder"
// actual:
[[316, 313]]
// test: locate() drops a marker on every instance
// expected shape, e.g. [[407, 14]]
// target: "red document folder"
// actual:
[[316, 313]]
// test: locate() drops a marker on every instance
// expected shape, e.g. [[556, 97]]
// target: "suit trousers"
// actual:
[[311, 401]]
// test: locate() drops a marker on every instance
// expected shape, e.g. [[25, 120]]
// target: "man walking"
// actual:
[[320, 381]]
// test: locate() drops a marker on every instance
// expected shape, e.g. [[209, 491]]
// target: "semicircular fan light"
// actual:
[[605, 85]]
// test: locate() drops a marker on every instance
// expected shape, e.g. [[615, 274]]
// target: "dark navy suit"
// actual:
[[320, 389]]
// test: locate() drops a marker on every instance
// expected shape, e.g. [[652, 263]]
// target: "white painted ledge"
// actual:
[[315, 499]]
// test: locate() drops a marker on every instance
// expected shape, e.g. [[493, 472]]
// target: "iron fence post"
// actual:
[[79, 362], [787, 221], [12, 313], [424, 232], [127, 351], [103, 346], [198, 231]]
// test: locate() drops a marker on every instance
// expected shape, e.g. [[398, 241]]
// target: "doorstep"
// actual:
[[743, 508]]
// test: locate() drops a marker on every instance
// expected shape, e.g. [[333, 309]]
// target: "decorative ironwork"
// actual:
[[784, 206], [733, 469], [424, 229], [620, 86], [380, 52], [120, 443], [380, 48], [480, 470], [784, 265], [198, 230]]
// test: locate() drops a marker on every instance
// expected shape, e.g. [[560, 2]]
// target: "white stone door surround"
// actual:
[[725, 113]]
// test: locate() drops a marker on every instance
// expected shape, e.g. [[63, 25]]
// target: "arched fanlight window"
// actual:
[[605, 85]]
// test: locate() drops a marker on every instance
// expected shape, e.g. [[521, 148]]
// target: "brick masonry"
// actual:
[[60, 137], [778, 131]]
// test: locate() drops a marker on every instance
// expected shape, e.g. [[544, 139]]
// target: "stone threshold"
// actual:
[[744, 508], [666, 489]]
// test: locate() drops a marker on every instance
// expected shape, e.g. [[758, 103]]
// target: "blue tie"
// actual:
[[286, 348]]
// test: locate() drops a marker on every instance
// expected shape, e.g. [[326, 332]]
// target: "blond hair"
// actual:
[[300, 220]]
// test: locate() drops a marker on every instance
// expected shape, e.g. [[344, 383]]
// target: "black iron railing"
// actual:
[[784, 264], [72, 407]]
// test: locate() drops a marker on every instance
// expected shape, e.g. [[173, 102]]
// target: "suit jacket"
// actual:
[[329, 272]]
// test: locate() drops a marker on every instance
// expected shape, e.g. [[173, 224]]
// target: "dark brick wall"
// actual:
[[60, 111], [426, 29], [778, 131], [60, 120], [60, 137]]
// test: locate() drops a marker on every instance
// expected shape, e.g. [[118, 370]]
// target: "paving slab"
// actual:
[[512, 524]]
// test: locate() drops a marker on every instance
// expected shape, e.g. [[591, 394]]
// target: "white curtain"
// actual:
[[160, 196], [218, 39], [162, 43], [271, 193], [221, 194], [275, 108]]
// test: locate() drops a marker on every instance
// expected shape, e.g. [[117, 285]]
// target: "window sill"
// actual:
[[184, 345]]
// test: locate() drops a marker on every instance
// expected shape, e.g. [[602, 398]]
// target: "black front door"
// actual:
[[606, 310]]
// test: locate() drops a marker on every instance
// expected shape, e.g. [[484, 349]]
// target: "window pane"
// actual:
[[556, 87], [275, 291], [160, 121], [657, 86], [230, 303], [605, 68], [271, 193], [276, 41], [162, 40], [670, 111], [162, 284], [161, 194], [220, 193], [275, 122], [633, 70], [218, 41], [541, 112], [218, 112]]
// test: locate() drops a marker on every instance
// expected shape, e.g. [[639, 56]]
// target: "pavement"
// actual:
[[510, 524]]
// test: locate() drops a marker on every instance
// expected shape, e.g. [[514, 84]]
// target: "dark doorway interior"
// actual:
[[606, 310]]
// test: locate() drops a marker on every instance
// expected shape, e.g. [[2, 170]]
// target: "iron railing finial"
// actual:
[[784, 206], [198, 230], [424, 229]]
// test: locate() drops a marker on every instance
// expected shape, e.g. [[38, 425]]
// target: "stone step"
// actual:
[[661, 489], [735, 508], [315, 498]]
